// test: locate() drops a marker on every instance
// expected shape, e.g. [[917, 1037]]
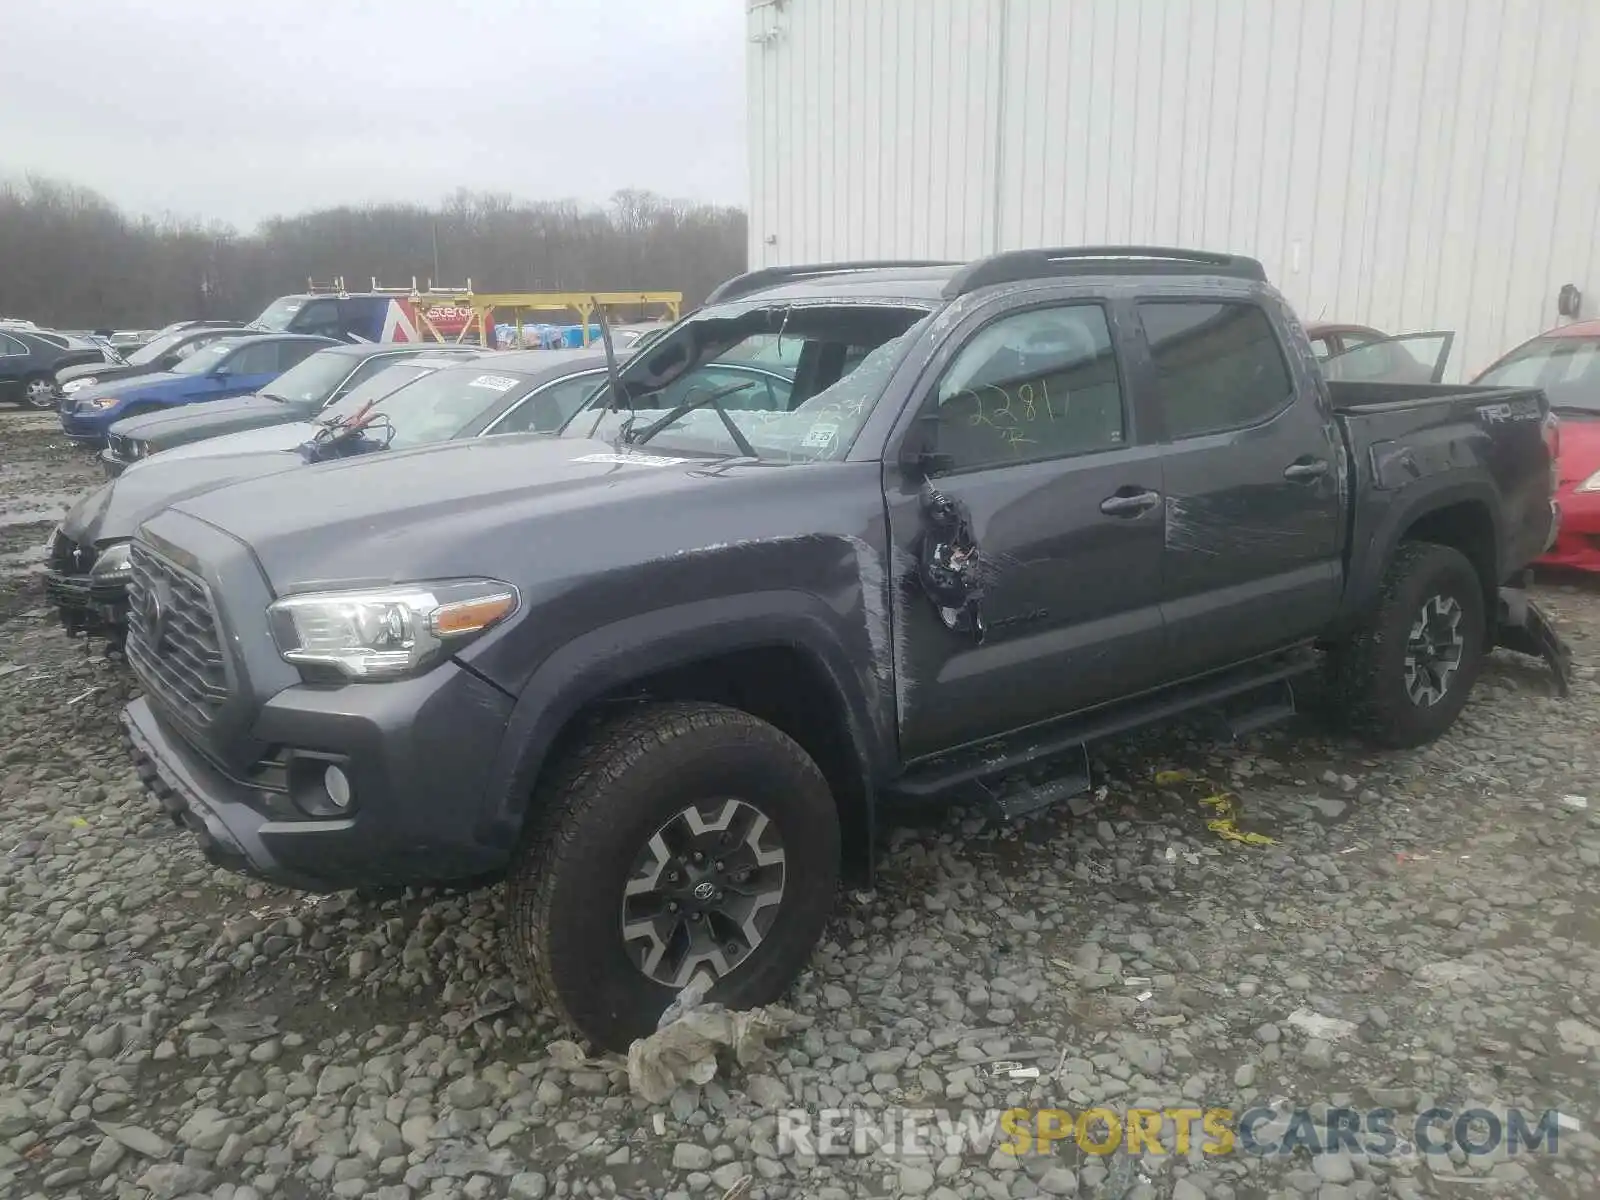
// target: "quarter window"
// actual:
[[1218, 366], [11, 346], [1034, 385]]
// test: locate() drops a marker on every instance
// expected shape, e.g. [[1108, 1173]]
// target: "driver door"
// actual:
[[1027, 432]]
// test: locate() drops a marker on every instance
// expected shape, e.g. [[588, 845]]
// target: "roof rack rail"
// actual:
[[753, 281], [1012, 266]]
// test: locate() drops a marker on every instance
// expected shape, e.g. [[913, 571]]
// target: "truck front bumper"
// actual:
[[87, 605], [414, 780]]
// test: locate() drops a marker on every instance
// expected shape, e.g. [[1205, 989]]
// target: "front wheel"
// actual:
[[39, 393], [681, 842], [1403, 676]]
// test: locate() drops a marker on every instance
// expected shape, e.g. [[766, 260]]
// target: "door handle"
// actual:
[[1305, 470], [1127, 502]]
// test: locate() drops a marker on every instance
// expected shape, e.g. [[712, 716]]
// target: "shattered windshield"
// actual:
[[802, 401]]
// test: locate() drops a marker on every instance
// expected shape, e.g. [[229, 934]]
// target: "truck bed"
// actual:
[[1348, 396], [1479, 450]]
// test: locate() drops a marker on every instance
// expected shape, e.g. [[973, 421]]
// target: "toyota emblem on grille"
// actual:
[[155, 614]]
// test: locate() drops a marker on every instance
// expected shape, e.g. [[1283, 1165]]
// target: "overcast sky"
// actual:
[[240, 109]]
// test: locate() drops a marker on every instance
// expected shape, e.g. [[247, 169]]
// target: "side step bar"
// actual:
[[992, 767]]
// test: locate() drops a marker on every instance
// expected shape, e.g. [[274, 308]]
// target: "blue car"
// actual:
[[234, 366]]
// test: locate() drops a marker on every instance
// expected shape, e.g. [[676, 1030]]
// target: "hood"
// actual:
[[180, 425], [284, 436], [1580, 447], [100, 370], [407, 514], [128, 385], [113, 511]]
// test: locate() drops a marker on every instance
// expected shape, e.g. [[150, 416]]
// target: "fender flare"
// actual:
[[615, 654], [1417, 501]]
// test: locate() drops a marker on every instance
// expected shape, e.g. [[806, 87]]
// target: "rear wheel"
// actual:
[[1404, 675], [681, 842], [38, 392]]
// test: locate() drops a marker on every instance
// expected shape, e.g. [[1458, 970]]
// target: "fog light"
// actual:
[[338, 785]]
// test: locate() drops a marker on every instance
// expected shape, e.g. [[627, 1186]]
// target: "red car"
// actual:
[[1565, 362]]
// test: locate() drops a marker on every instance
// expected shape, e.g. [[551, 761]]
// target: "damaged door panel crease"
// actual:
[[973, 519]]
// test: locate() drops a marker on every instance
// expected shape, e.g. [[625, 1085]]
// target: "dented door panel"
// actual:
[[1068, 609], [1252, 559]]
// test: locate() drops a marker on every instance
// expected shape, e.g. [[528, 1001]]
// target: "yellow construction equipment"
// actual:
[[483, 305]]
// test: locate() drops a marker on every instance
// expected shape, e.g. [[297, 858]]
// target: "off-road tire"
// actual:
[[30, 389], [1368, 668], [598, 810]]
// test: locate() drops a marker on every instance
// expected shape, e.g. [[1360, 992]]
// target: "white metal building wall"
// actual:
[[1408, 164]]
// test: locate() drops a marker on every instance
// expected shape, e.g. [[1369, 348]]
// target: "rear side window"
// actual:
[[259, 359], [290, 353], [319, 317], [1218, 366]]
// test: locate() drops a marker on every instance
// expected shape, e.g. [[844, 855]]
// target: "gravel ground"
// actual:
[[168, 1030]]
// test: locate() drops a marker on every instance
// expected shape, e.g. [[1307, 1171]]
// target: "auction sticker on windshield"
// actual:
[[495, 383], [636, 460]]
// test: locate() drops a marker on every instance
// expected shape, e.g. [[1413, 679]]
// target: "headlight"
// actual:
[[137, 449], [77, 385], [385, 633], [100, 402], [1591, 484], [112, 563]]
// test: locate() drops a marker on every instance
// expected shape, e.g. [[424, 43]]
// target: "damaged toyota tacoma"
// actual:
[[661, 669]]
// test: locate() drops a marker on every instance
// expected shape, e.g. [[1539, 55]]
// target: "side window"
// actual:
[[259, 359], [1035, 385], [290, 353], [320, 317], [10, 346], [1218, 366], [369, 368], [547, 410]]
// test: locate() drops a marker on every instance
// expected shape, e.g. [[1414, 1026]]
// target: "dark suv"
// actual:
[[664, 666]]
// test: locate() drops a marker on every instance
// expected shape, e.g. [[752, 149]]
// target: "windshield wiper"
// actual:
[[688, 406], [276, 397]]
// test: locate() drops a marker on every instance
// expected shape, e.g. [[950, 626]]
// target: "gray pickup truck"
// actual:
[[663, 668]]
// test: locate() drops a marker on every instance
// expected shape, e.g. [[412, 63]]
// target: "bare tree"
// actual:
[[72, 259]]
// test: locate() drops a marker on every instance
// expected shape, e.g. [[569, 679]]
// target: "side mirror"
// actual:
[[919, 457], [168, 361]]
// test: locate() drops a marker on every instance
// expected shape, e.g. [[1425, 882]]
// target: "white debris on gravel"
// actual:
[[168, 1030]]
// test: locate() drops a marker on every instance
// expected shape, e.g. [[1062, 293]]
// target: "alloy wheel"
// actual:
[[704, 892], [1434, 650]]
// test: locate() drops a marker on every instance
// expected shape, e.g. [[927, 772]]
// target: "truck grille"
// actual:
[[174, 643]]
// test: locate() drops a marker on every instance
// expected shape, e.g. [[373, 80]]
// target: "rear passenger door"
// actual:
[[1032, 441], [1251, 560]]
